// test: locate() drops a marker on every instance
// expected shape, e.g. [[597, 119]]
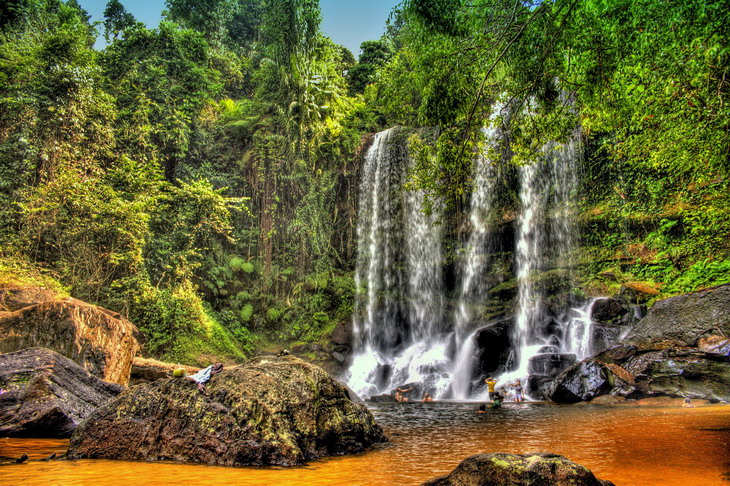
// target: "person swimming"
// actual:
[[496, 404]]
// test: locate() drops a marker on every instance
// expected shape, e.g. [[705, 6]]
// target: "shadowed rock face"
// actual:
[[270, 411], [582, 382], [99, 340], [500, 468], [46, 394]]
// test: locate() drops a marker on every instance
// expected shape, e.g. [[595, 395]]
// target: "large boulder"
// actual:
[[683, 320], [269, 411], [581, 382], [493, 346], [683, 372], [609, 310], [501, 468], [101, 341], [46, 394]]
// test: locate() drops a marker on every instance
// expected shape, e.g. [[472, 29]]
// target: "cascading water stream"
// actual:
[[545, 240], [399, 309], [402, 334], [475, 259]]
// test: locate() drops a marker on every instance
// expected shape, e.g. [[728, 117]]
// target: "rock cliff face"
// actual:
[[683, 320], [270, 411], [46, 394], [101, 341], [679, 349], [501, 468]]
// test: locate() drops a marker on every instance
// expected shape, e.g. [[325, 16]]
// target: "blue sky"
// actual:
[[347, 22]]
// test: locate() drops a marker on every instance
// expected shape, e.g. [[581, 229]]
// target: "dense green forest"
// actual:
[[201, 177]]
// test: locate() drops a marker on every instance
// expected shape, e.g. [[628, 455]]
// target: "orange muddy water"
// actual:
[[630, 445]]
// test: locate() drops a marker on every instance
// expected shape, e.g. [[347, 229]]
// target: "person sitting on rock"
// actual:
[[427, 398], [204, 375], [399, 394]]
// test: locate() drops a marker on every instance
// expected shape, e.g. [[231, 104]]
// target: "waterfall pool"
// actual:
[[631, 445]]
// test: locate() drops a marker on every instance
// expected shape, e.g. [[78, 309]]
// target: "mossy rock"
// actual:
[[500, 468], [269, 411]]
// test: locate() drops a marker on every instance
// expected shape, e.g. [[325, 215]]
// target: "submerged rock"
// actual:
[[501, 468], [101, 341], [269, 411], [46, 394]]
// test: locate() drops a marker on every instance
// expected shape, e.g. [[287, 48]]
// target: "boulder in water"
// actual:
[[686, 373], [269, 411], [501, 468], [46, 394], [581, 382], [101, 341]]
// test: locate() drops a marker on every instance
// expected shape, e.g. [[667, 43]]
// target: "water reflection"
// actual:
[[628, 445]]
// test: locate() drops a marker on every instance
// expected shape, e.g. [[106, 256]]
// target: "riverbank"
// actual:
[[629, 445]]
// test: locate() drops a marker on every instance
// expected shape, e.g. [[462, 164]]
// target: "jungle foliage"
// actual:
[[196, 177], [200, 176], [647, 83]]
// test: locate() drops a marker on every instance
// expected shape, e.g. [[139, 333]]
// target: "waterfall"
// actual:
[[400, 301], [545, 239], [474, 262], [402, 333]]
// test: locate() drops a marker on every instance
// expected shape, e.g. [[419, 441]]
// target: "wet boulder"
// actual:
[[493, 346], [686, 373], [683, 320], [539, 387], [269, 411], [714, 345], [501, 468], [550, 363], [581, 382], [45, 394], [609, 310], [99, 340]]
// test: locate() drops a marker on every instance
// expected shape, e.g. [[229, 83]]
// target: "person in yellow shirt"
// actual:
[[491, 382]]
